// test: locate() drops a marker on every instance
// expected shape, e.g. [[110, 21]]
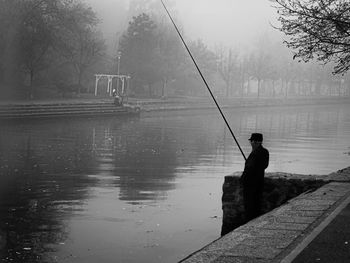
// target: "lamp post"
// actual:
[[118, 68]]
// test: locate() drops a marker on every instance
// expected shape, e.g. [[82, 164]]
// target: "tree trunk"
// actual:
[[242, 81], [31, 84], [248, 86], [165, 81], [150, 93], [228, 84], [80, 75], [318, 87]]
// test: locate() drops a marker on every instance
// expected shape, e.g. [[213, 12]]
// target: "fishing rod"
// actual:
[[205, 82]]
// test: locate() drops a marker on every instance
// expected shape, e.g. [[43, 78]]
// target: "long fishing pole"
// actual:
[[205, 82]]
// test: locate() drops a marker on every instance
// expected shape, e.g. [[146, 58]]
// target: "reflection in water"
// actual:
[[34, 208], [122, 190]]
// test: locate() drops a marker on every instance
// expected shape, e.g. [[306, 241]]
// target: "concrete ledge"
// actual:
[[274, 235]]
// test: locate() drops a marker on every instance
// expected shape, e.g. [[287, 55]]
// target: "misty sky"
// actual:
[[229, 22]]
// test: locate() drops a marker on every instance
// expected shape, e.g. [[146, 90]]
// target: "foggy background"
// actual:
[[224, 22], [53, 49]]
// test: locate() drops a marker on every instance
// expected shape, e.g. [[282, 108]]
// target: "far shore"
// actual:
[[180, 102]]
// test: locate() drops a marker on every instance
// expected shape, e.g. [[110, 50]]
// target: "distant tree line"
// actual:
[[154, 56], [56, 45], [269, 70]]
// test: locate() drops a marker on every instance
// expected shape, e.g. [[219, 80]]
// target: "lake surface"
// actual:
[[144, 189]]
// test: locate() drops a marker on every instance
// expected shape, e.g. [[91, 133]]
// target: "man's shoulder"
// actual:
[[263, 150]]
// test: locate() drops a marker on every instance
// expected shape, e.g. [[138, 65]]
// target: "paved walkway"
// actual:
[[332, 244], [303, 230]]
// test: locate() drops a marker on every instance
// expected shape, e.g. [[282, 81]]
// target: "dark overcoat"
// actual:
[[255, 165]]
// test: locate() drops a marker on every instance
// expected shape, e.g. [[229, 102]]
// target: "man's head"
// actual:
[[256, 139]]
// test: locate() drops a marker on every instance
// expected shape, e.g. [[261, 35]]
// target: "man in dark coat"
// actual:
[[252, 178]]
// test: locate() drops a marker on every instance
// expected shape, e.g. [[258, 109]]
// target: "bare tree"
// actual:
[[260, 61], [228, 68], [317, 29]]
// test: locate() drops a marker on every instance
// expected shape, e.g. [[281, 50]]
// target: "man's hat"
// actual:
[[258, 137]]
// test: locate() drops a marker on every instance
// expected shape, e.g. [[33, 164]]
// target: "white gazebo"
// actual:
[[123, 78]]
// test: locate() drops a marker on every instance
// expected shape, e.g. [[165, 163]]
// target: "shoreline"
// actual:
[[105, 106], [149, 106]]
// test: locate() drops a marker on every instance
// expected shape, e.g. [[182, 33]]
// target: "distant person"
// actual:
[[117, 98], [252, 178]]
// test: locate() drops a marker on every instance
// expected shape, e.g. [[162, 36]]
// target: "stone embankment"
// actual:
[[199, 103], [47, 110], [277, 235], [104, 106]]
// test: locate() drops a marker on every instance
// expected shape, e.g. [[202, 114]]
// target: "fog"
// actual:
[[240, 50], [225, 22], [231, 22]]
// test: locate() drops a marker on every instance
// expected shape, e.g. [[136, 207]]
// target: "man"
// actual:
[[117, 98], [252, 178]]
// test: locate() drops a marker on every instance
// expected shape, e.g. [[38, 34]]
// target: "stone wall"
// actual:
[[277, 191]]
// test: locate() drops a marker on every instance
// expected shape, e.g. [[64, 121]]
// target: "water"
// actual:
[[144, 189]]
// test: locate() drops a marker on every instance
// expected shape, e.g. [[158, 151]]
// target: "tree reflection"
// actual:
[[48, 169], [41, 186], [34, 208], [146, 165]]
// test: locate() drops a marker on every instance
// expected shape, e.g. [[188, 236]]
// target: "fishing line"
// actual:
[[205, 82]]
